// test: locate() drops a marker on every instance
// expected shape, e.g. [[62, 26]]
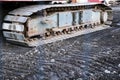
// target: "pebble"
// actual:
[[113, 36], [31, 53], [15, 78], [20, 55], [107, 71], [108, 52], [41, 68], [52, 60], [79, 79], [72, 73], [95, 45], [62, 49], [35, 51], [118, 65], [38, 52], [119, 75], [114, 72], [22, 75]]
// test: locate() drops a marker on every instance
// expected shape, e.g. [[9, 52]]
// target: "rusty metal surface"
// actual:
[[67, 36]]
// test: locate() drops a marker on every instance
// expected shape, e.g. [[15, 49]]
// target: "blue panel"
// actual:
[[87, 16], [90, 16], [96, 16], [51, 21], [65, 19]]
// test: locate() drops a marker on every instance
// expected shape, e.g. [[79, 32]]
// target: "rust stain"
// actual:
[[33, 32]]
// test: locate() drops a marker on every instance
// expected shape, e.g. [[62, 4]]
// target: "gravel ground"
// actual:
[[94, 56]]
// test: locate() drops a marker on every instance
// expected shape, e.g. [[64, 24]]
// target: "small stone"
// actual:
[[82, 66], [58, 51], [72, 73], [52, 60], [63, 49], [95, 45], [108, 52], [118, 65], [41, 68], [119, 75], [114, 72], [91, 74], [36, 51], [113, 36], [15, 77], [22, 75], [20, 55], [31, 53], [107, 71]]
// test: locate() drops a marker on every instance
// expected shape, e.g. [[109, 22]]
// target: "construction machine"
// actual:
[[36, 22]]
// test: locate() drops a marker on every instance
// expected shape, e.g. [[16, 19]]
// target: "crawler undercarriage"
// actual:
[[40, 24]]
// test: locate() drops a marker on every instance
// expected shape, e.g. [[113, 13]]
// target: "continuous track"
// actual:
[[16, 30]]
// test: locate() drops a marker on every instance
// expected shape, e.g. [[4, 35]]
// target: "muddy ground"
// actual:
[[94, 56]]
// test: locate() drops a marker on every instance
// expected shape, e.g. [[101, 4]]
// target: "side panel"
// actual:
[[65, 19], [87, 16], [40, 24], [90, 16], [95, 16]]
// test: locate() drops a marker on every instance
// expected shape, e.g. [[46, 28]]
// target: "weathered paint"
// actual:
[[13, 27], [105, 16], [77, 15], [65, 19], [14, 35], [38, 25], [90, 16]]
